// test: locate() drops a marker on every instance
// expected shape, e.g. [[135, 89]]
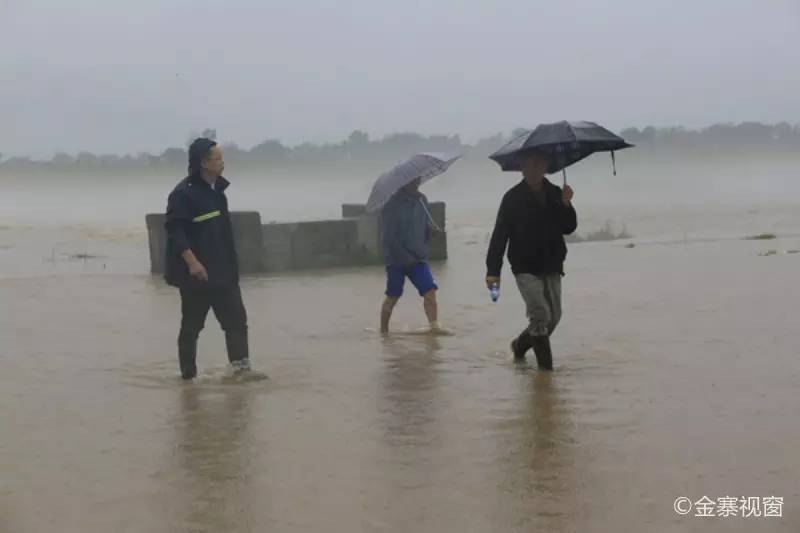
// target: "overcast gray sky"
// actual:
[[113, 76]]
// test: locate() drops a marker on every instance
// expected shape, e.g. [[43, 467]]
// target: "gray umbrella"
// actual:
[[567, 143], [424, 166]]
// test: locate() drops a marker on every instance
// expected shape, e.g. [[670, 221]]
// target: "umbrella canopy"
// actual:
[[566, 142], [424, 166]]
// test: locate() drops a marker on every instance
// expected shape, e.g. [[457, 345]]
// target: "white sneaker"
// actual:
[[241, 366]]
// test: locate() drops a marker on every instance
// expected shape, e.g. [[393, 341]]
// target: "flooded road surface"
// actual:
[[677, 374]]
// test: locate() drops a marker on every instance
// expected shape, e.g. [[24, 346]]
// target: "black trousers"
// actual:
[[226, 301]]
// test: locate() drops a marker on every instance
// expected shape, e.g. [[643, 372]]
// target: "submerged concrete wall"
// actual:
[[351, 241], [318, 244], [157, 240], [246, 237]]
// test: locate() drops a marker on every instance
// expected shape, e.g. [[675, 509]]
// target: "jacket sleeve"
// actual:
[[179, 216], [499, 240], [392, 241], [569, 220]]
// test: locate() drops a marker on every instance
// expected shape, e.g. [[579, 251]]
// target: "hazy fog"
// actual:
[[112, 76]]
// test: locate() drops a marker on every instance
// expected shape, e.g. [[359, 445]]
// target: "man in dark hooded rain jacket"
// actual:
[[201, 258]]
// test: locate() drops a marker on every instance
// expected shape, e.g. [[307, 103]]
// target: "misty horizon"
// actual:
[[108, 77], [721, 134]]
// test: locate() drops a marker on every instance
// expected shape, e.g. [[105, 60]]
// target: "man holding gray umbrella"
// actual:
[[406, 224], [404, 237]]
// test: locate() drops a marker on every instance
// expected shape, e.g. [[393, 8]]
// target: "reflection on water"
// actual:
[[667, 383], [540, 474], [212, 455], [409, 388]]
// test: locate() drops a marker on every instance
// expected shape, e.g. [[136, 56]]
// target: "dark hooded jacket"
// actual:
[[198, 219]]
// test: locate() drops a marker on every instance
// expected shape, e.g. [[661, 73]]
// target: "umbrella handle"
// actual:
[[564, 173], [433, 224]]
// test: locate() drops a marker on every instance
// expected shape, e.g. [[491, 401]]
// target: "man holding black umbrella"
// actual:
[[532, 220]]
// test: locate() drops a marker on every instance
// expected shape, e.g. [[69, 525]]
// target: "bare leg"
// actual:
[[431, 309], [386, 312]]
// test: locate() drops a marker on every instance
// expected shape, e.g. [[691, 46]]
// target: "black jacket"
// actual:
[[198, 219], [535, 232]]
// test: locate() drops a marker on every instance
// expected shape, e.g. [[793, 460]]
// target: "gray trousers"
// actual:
[[542, 296]]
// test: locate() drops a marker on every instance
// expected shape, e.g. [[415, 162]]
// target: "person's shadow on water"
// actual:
[[212, 458], [539, 476], [409, 386], [403, 464]]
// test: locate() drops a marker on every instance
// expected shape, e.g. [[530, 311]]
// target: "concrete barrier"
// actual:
[[246, 237], [351, 241], [438, 245], [329, 243], [368, 238], [157, 240], [277, 246], [355, 210]]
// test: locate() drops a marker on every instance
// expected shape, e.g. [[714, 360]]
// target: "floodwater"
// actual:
[[677, 375]]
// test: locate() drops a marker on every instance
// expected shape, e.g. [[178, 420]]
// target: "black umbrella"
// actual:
[[567, 143]]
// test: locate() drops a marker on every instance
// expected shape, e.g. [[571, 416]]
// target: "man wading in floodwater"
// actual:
[[201, 258], [405, 233], [533, 218]]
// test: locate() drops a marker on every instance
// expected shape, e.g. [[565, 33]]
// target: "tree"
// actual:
[[86, 160], [18, 163], [631, 134], [62, 160], [269, 149], [357, 148], [109, 160], [358, 138], [173, 157]]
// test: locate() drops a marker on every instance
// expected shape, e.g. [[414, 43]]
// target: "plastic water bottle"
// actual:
[[494, 291]]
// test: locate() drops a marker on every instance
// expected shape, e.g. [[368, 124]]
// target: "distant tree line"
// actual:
[[359, 148]]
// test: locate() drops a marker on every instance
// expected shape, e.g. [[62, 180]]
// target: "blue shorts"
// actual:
[[419, 274]]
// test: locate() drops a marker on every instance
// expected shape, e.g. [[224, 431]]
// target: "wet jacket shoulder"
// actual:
[[198, 218], [533, 230]]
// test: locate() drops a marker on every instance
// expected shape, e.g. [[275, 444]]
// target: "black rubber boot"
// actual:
[[521, 345], [187, 357], [237, 345], [544, 355]]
